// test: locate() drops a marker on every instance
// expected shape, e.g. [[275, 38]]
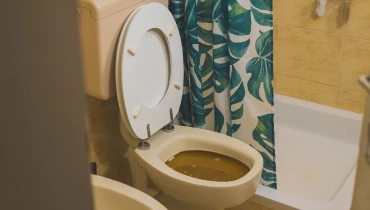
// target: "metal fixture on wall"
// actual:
[[320, 9], [346, 11]]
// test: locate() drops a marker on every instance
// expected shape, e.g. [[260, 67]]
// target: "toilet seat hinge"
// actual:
[[169, 127], [144, 145]]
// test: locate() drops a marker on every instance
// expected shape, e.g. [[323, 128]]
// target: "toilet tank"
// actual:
[[100, 24]]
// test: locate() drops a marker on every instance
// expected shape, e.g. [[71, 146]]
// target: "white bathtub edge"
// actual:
[[322, 108], [277, 200], [281, 201]]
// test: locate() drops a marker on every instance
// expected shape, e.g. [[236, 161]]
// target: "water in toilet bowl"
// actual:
[[208, 166]]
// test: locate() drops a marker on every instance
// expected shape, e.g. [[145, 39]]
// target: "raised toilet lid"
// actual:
[[149, 69]]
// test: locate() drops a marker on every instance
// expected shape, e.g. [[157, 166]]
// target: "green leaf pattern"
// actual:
[[227, 47], [264, 136]]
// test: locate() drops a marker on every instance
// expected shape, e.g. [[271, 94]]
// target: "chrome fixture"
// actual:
[[346, 11], [144, 145], [169, 127]]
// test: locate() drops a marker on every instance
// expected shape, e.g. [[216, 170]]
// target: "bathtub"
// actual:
[[316, 156]]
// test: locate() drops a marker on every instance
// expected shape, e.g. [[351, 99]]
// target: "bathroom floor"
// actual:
[[173, 204], [302, 174]]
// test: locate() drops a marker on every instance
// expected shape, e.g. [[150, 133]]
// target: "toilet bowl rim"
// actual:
[[152, 159]]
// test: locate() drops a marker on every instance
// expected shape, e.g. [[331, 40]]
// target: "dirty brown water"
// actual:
[[208, 166]]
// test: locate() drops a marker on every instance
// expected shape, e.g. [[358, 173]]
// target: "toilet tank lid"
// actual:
[[103, 8]]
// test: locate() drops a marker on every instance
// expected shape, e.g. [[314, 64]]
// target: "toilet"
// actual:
[[149, 75]]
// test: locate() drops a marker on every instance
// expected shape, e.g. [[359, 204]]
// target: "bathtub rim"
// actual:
[[317, 107], [278, 200]]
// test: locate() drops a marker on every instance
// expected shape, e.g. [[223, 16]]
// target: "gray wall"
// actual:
[[361, 193], [43, 151]]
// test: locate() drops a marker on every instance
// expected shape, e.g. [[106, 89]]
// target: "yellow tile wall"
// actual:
[[319, 59]]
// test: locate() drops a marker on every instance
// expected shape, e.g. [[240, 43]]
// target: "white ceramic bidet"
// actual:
[[111, 195]]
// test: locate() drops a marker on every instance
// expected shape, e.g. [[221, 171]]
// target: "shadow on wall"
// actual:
[[107, 147]]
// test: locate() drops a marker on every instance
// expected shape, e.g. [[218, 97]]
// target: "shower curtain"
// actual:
[[228, 58]]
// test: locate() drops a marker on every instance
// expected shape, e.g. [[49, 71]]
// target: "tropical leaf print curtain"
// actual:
[[228, 60]]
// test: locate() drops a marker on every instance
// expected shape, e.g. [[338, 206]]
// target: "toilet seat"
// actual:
[[149, 70]]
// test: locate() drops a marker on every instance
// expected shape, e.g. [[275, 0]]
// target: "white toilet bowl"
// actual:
[[149, 77], [165, 145]]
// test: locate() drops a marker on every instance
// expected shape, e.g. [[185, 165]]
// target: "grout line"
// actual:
[[310, 29], [352, 91], [339, 88], [331, 33], [340, 68], [308, 80], [353, 37], [337, 98]]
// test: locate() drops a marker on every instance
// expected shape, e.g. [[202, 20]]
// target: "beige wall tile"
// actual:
[[275, 49], [351, 101], [107, 147], [286, 85], [309, 55], [354, 63], [301, 13], [349, 81], [276, 7], [322, 51], [276, 38], [358, 24], [306, 90]]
